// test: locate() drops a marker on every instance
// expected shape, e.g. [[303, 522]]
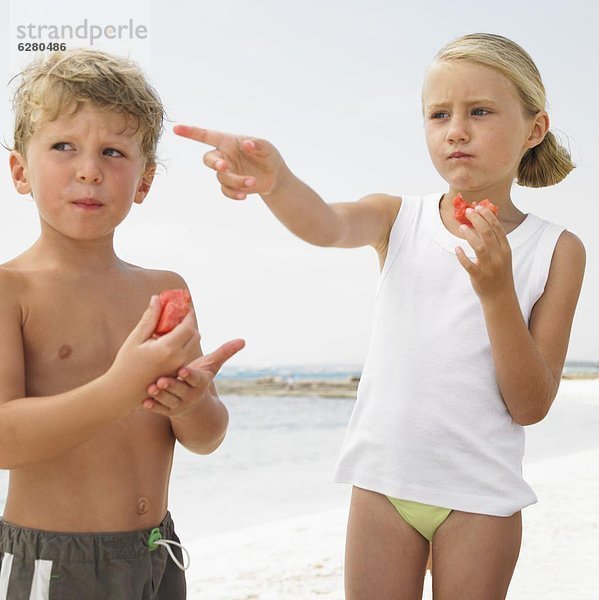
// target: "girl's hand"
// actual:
[[491, 273], [177, 397], [243, 165]]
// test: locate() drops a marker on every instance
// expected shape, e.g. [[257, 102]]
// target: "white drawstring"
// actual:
[[186, 559], [155, 539]]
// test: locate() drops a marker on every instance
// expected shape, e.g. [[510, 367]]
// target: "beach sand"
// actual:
[[302, 558]]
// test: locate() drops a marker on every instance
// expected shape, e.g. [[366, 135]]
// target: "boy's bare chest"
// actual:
[[72, 332]]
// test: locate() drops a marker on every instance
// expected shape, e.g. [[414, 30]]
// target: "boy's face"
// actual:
[[84, 171]]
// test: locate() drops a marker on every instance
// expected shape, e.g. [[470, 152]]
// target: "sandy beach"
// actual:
[[301, 558]]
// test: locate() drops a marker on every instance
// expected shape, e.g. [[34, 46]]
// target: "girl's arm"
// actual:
[[528, 359], [247, 165]]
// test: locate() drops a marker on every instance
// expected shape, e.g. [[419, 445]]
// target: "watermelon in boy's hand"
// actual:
[[174, 304], [460, 205]]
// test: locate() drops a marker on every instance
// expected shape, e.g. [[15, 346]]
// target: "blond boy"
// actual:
[[91, 402]]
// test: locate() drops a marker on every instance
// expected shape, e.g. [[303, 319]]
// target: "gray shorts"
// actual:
[[47, 565]]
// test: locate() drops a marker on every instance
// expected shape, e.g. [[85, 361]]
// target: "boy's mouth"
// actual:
[[87, 203]]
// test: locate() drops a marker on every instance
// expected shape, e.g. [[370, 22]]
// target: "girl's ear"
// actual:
[[540, 127], [18, 171], [145, 184]]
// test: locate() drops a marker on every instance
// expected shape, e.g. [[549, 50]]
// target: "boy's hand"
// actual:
[[143, 356], [243, 165], [177, 397]]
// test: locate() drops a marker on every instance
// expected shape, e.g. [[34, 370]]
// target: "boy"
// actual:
[[91, 401]]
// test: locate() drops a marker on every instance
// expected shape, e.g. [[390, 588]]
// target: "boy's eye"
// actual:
[[113, 152], [439, 115], [479, 112], [61, 146]]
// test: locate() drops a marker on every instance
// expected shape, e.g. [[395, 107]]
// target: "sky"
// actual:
[[336, 87]]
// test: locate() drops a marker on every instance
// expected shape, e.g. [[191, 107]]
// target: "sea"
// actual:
[[297, 372], [278, 458], [345, 372]]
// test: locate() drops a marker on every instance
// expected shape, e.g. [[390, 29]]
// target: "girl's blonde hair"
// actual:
[[62, 82], [548, 162]]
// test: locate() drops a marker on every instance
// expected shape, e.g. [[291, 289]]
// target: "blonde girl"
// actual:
[[471, 326]]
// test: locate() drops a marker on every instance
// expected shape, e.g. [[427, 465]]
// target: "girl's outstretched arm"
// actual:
[[246, 165]]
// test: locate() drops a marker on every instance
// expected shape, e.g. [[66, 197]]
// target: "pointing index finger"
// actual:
[[206, 136]]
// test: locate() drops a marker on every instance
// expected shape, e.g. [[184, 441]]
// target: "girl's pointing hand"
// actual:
[[243, 165]]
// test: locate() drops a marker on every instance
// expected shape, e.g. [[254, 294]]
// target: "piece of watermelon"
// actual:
[[460, 206], [175, 304]]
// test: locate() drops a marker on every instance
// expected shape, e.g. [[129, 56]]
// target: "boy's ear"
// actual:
[[18, 170], [145, 184]]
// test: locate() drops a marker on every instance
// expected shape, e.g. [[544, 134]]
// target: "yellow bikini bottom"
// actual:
[[424, 518]]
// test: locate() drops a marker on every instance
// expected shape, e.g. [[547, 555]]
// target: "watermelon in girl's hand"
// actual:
[[460, 205]]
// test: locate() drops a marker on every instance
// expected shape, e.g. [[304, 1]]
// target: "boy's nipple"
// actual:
[[143, 505], [64, 351]]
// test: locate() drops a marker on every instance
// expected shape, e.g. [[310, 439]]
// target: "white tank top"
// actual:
[[429, 424]]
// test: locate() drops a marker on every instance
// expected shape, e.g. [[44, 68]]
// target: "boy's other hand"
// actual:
[[244, 165], [176, 397]]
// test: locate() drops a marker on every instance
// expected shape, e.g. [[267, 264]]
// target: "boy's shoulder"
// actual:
[[12, 283], [158, 278], [16, 281]]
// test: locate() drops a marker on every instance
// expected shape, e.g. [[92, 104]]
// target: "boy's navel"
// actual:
[[143, 504], [64, 351]]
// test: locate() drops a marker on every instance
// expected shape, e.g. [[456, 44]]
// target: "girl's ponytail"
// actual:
[[546, 164]]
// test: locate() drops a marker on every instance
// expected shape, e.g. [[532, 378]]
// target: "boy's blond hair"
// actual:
[[63, 81]]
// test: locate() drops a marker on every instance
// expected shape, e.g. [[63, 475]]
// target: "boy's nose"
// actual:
[[89, 171]]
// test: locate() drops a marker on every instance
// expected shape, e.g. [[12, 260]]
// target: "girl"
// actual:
[[470, 331]]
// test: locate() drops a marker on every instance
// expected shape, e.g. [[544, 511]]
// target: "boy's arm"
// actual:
[[37, 428], [528, 358], [248, 165], [202, 422], [198, 418]]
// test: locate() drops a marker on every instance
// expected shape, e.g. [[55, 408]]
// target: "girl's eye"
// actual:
[[479, 112], [439, 115], [61, 146], [113, 152]]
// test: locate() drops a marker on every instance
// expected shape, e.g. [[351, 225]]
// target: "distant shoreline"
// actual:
[[323, 388], [279, 386]]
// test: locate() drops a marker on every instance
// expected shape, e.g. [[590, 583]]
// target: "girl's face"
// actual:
[[475, 126]]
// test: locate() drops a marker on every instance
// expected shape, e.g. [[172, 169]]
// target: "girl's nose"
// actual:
[[457, 131]]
